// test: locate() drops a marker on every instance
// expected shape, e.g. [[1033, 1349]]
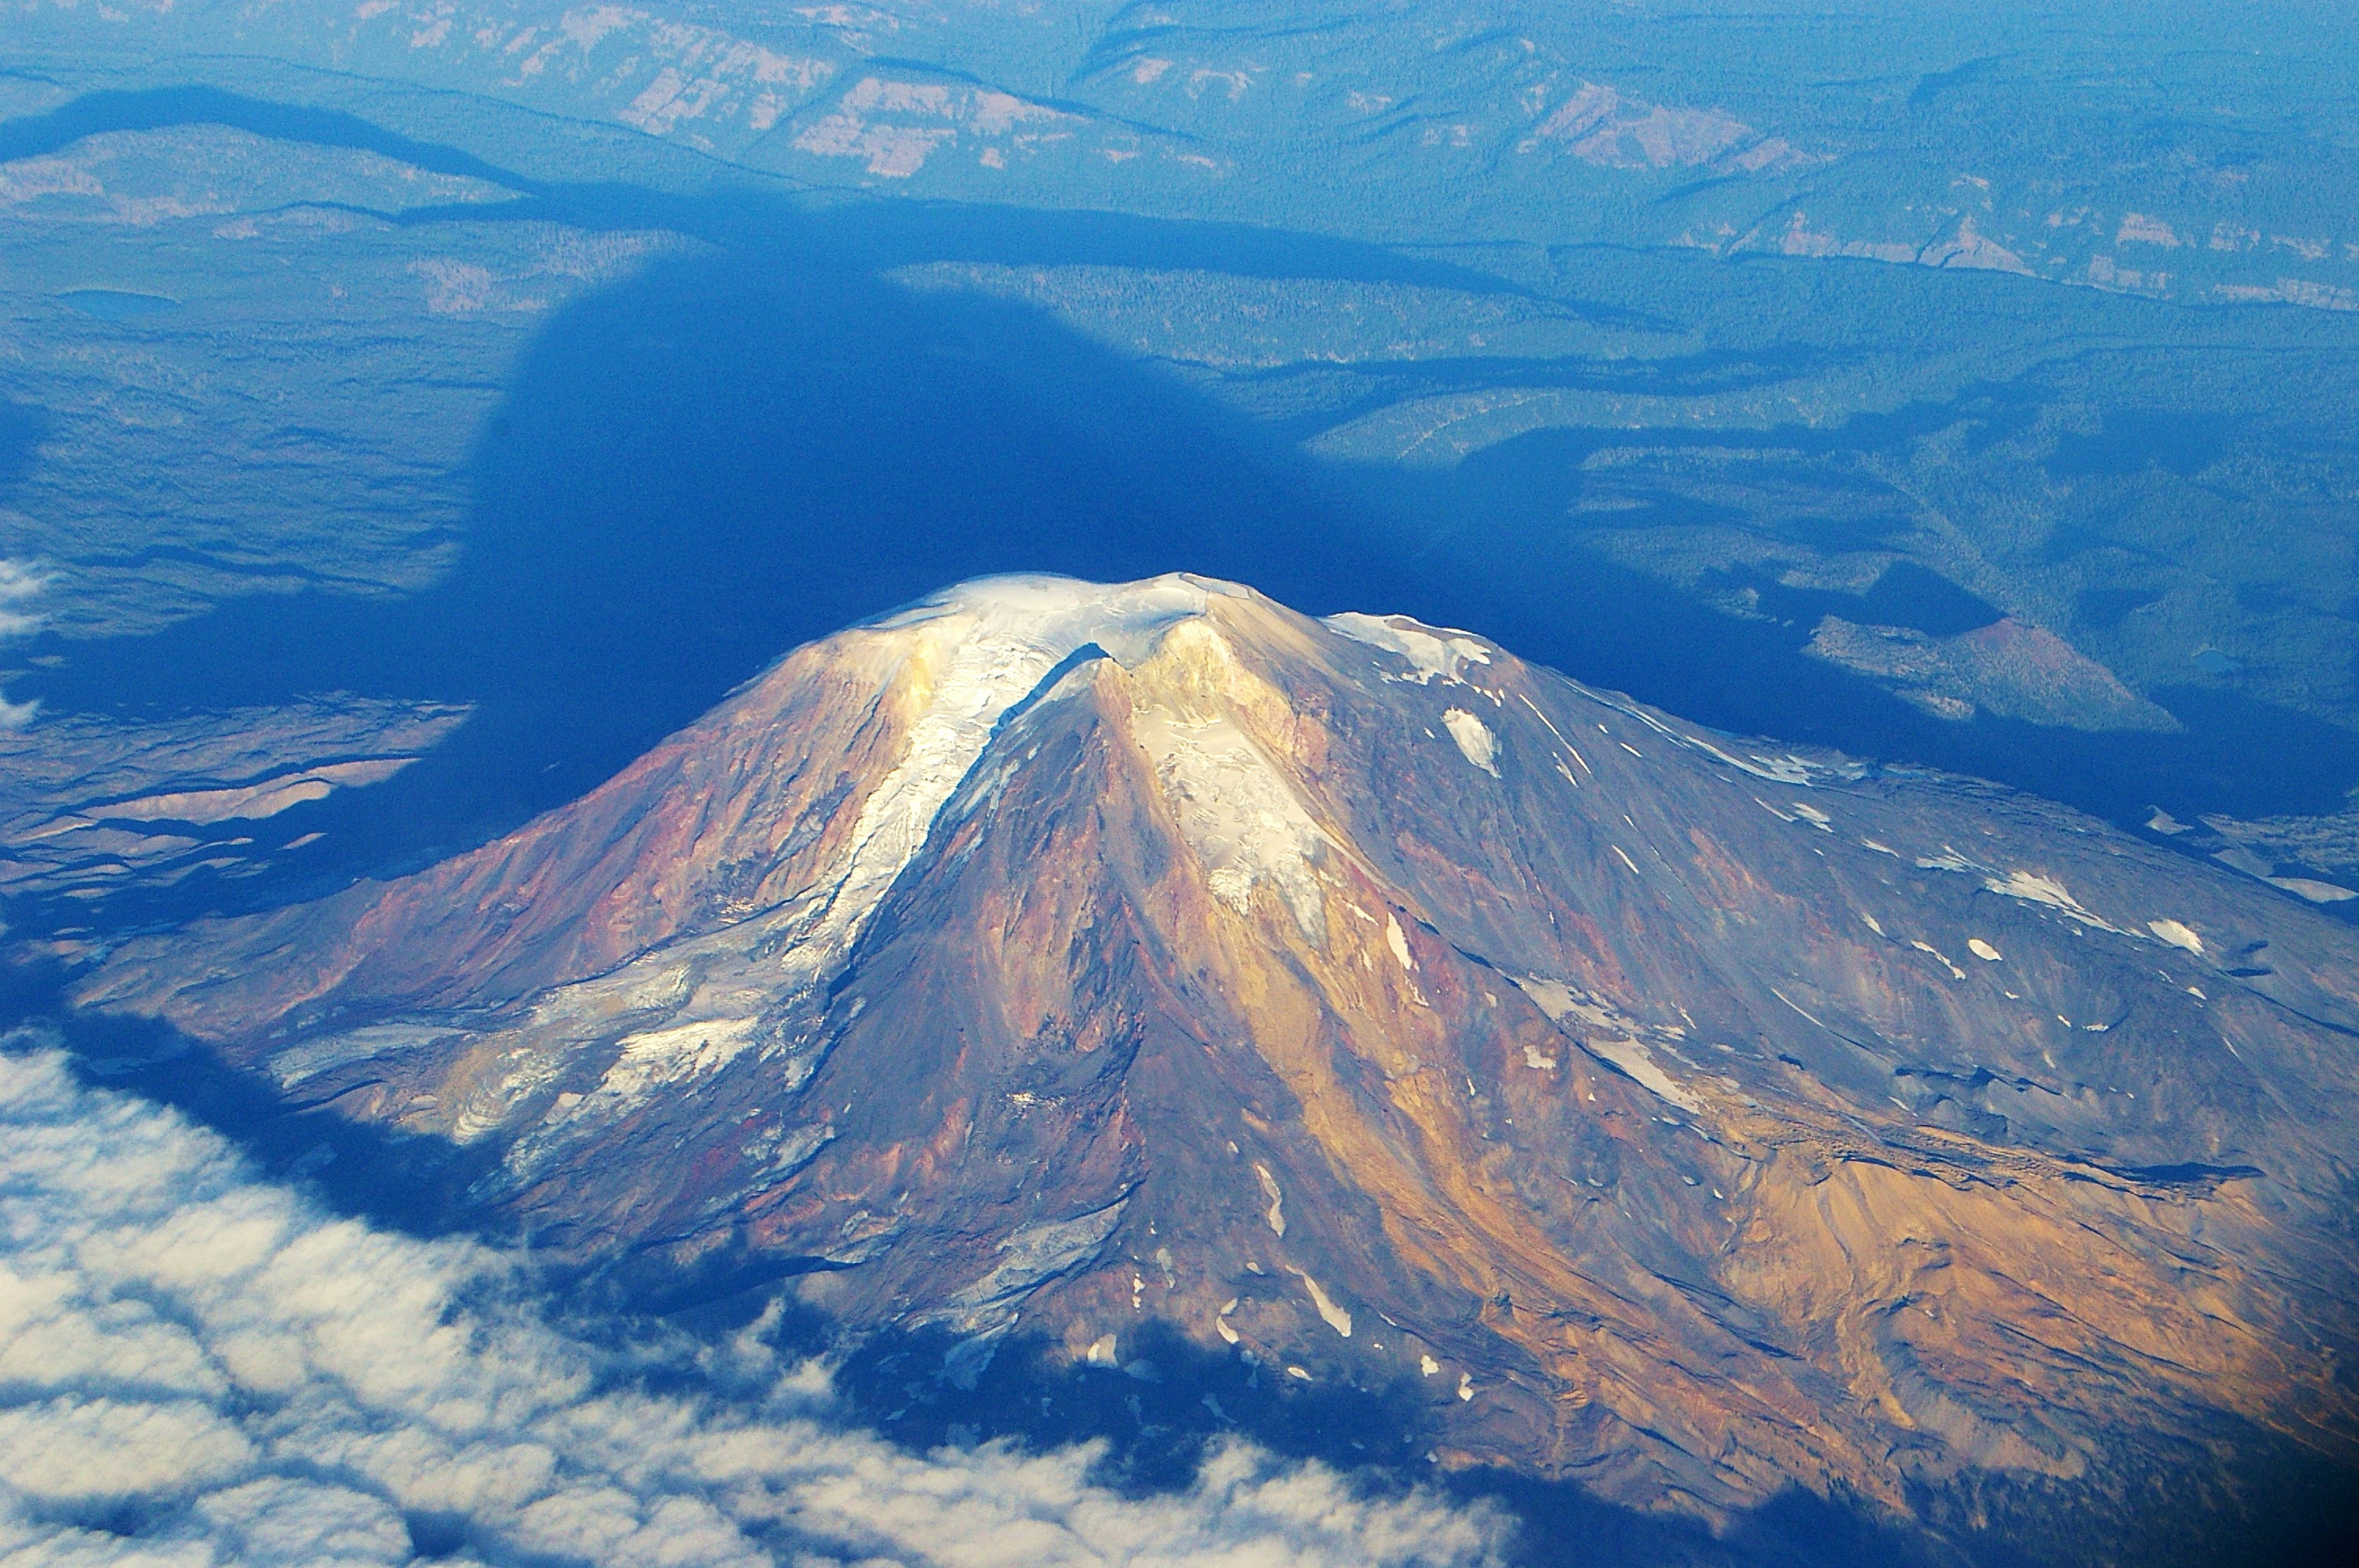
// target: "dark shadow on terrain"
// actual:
[[22, 427], [723, 458], [396, 1179], [1933, 84], [2109, 607], [1905, 595], [2247, 1498], [1170, 1399], [1156, 1412], [724, 455], [2130, 440], [1513, 567], [865, 231], [156, 109]]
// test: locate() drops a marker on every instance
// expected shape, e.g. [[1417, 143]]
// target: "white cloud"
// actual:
[[19, 581], [199, 1367]]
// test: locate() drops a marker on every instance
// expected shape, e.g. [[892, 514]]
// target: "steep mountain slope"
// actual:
[[1677, 1114]]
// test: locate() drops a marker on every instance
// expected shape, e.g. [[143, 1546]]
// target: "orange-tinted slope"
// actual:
[[1672, 1112]]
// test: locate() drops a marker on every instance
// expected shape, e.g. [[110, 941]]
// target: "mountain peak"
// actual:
[[1684, 1113], [1051, 607]]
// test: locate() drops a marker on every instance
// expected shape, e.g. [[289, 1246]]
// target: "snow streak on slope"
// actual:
[[985, 647], [968, 658]]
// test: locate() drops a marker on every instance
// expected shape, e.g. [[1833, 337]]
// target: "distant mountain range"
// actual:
[[2165, 149], [1085, 968]]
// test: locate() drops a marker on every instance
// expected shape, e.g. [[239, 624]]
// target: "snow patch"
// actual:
[[297, 1062], [2033, 888], [1475, 741], [1432, 653], [1276, 1215], [686, 1048], [650, 1061], [1785, 770], [1610, 1037], [1398, 941], [2177, 935], [1335, 1317], [1030, 1258], [2311, 889], [1237, 813], [1926, 947]]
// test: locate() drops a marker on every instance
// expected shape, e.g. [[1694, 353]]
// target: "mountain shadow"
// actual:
[[730, 453]]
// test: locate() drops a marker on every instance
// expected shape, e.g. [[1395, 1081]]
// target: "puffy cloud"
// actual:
[[200, 1368], [19, 581]]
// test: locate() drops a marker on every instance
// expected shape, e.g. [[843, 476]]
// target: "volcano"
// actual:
[[1689, 1117]]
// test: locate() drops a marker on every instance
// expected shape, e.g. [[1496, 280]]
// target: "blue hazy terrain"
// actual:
[[723, 457], [728, 453]]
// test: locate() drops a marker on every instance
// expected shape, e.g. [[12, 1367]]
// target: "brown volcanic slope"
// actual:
[[1684, 1117]]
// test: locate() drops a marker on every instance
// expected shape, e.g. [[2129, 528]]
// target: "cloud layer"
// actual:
[[198, 1366]]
